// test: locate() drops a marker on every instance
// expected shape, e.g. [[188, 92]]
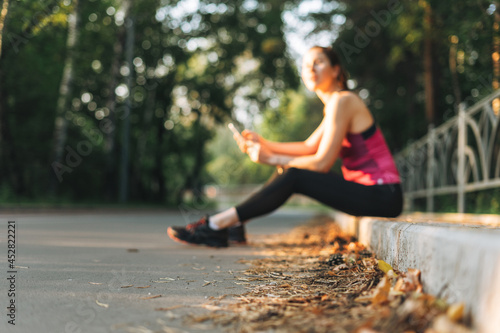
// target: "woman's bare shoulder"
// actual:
[[345, 101], [348, 96]]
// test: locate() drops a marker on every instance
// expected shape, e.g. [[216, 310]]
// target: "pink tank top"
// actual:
[[366, 159]]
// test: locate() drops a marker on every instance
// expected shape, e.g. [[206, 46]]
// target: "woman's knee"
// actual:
[[289, 173], [291, 170]]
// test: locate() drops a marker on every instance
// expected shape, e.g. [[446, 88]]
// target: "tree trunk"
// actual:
[[10, 174], [199, 159], [142, 150], [110, 128], [64, 100], [496, 57], [129, 55], [3, 15], [428, 64], [158, 173], [147, 119], [454, 73]]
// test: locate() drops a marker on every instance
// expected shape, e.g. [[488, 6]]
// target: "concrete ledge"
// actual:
[[460, 262]]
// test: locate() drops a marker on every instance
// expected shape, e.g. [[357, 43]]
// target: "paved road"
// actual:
[[71, 265]]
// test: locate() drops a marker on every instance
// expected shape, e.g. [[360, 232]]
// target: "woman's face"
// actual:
[[317, 72]]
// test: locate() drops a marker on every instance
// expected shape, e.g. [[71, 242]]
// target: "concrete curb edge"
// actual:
[[458, 263]]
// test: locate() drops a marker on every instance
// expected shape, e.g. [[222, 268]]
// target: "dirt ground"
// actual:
[[315, 279]]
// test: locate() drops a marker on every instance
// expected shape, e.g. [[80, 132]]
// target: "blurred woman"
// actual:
[[370, 185]]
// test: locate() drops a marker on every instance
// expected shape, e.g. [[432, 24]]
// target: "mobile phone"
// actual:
[[235, 131]]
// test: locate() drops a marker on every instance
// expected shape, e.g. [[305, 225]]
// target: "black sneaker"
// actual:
[[237, 235], [199, 233]]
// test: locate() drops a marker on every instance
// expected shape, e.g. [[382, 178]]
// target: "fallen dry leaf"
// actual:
[[151, 297], [409, 281], [102, 304], [340, 267], [456, 311], [443, 324], [414, 276], [364, 298], [366, 330], [211, 307], [208, 282], [381, 294], [171, 308], [384, 267], [198, 268]]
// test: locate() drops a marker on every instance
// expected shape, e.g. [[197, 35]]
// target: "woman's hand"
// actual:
[[251, 136], [258, 153], [256, 147], [246, 139]]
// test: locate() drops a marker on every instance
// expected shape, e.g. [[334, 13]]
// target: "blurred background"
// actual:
[[120, 102]]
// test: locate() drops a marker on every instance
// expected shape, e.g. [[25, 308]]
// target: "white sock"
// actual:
[[212, 225], [224, 219]]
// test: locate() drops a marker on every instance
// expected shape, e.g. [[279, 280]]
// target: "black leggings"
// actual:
[[328, 188]]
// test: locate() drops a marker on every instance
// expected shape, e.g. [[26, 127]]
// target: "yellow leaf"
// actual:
[[385, 267], [456, 311]]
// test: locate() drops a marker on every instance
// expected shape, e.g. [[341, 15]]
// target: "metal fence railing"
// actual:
[[460, 156]]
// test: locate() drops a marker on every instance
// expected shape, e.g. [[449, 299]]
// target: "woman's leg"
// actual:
[[328, 188], [230, 217]]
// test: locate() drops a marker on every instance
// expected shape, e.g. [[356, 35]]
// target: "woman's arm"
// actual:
[[301, 148], [307, 147], [333, 129]]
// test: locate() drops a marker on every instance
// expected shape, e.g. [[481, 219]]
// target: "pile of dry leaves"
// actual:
[[317, 280]]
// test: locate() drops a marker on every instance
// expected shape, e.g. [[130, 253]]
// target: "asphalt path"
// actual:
[[93, 271]]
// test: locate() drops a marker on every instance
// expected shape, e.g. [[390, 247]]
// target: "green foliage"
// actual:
[[232, 166], [194, 70], [382, 46], [189, 65], [297, 116], [483, 202], [480, 202], [295, 119]]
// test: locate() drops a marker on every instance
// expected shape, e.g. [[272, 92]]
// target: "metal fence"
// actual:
[[460, 156]]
